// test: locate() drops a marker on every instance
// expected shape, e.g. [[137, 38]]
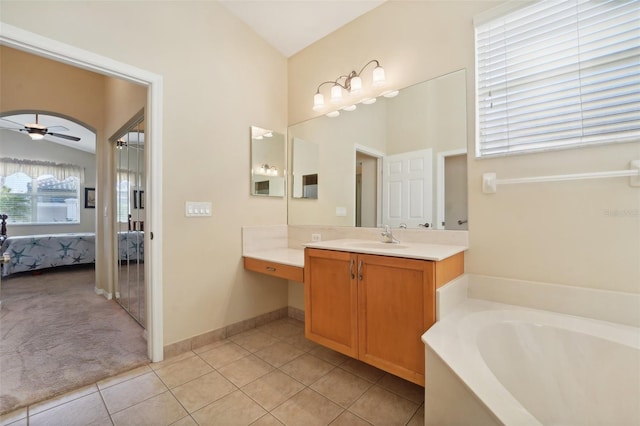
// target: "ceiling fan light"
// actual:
[[36, 136]]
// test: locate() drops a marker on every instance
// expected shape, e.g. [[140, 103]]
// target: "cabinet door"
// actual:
[[396, 306], [331, 300]]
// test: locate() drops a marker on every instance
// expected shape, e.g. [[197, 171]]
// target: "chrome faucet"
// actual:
[[387, 235]]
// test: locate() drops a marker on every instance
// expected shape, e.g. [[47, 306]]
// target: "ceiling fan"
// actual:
[[38, 131]]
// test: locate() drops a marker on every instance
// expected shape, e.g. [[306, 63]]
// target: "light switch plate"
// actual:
[[197, 209], [341, 211]]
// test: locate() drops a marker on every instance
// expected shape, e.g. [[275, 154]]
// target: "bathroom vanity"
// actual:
[[373, 301], [364, 298]]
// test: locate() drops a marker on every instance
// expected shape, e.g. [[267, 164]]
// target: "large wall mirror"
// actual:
[[400, 161], [268, 159]]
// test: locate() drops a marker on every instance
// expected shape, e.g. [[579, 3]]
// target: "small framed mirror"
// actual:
[[268, 157]]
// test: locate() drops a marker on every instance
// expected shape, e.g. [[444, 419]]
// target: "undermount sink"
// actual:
[[378, 246]]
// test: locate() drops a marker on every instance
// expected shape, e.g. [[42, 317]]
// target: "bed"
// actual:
[[35, 252]]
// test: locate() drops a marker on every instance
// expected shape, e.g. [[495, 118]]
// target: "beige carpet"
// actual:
[[56, 335]]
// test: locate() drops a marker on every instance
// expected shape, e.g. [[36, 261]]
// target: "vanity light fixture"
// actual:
[[351, 83], [265, 169]]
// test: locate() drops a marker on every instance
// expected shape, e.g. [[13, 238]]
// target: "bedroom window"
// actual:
[[553, 75], [39, 193]]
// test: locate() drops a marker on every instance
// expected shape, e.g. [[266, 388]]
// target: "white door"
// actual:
[[407, 195]]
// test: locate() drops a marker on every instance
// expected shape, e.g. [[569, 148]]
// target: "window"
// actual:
[[39, 193], [554, 75]]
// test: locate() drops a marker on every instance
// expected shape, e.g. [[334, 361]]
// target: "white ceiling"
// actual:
[[87, 140], [292, 25]]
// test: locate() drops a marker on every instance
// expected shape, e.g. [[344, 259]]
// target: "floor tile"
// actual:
[[14, 417], [160, 410], [210, 346], [131, 392], [282, 328], [272, 389], [402, 387], [224, 354], [86, 410], [234, 409], [203, 391], [127, 375], [183, 371], [418, 417], [62, 399], [267, 420], [307, 408], [329, 355], [341, 387], [279, 353], [171, 360], [185, 421], [301, 342], [20, 422], [363, 370], [381, 407], [307, 368], [349, 419], [245, 370], [253, 340]]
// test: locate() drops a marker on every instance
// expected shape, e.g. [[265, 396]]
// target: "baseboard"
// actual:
[[235, 328], [296, 313], [101, 292]]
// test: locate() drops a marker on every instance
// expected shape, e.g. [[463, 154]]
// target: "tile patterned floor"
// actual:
[[270, 375]]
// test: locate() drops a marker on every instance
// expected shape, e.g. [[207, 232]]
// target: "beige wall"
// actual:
[[584, 233], [219, 78]]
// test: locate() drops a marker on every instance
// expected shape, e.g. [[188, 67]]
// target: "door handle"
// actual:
[[360, 270], [351, 264], [426, 225]]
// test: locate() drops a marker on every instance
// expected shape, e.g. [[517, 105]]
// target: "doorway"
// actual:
[[42, 46], [366, 190], [452, 190]]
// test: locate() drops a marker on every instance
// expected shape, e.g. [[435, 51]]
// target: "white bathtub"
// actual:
[[491, 363]]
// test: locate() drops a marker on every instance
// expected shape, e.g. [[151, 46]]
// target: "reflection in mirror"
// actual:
[[130, 214], [267, 162], [304, 169], [391, 163]]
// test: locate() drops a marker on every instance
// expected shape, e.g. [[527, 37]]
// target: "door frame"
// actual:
[[378, 155], [440, 183], [39, 45]]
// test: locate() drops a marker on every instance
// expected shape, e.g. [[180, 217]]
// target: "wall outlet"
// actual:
[[316, 237]]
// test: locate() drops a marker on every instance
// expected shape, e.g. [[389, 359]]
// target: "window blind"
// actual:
[[558, 74]]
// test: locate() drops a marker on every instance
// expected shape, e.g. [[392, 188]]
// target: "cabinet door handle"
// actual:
[[351, 269], [360, 270], [271, 269]]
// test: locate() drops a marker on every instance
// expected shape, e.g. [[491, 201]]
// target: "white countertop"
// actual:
[[286, 256], [423, 251]]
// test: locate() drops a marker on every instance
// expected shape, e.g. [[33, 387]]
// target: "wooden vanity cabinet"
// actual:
[[374, 308], [331, 300]]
